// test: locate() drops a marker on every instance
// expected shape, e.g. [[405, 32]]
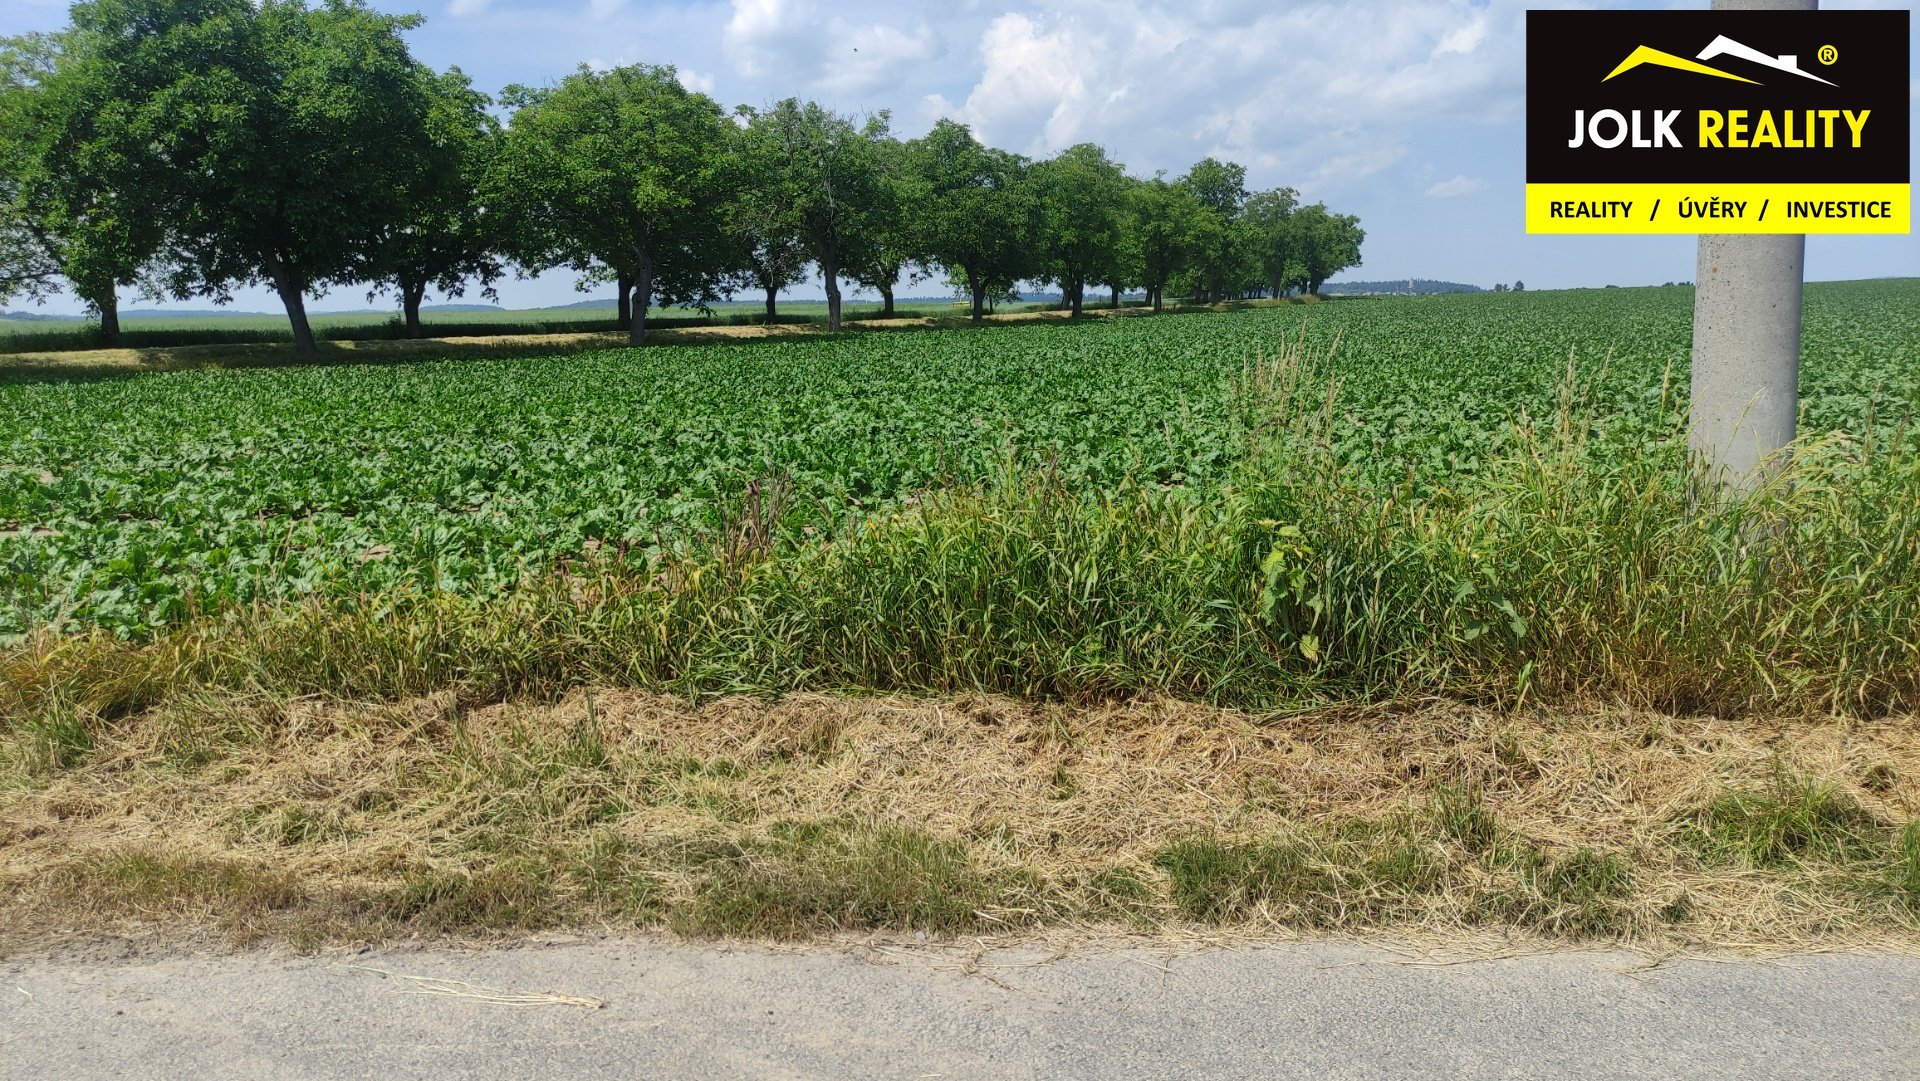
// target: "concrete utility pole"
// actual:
[[1746, 335]]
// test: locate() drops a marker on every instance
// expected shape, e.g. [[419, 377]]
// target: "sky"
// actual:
[[1405, 112]]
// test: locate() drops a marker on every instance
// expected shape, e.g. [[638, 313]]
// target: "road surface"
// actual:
[[691, 1011]]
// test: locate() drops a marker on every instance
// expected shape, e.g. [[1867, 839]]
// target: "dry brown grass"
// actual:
[[316, 820]]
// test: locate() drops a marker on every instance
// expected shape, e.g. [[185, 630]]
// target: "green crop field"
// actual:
[[131, 502]]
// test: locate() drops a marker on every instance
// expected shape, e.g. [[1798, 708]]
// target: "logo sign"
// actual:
[[1718, 122]]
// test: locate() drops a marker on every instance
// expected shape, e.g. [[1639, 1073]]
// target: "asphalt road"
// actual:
[[680, 1011]]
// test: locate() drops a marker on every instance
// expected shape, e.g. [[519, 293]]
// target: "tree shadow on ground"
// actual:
[[92, 365]]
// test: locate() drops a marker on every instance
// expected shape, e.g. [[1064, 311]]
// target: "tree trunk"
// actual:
[[623, 309], [1314, 284], [293, 294], [773, 311], [108, 304], [410, 297], [1156, 298], [830, 271], [642, 298], [886, 300], [1079, 291], [1116, 298], [979, 288]]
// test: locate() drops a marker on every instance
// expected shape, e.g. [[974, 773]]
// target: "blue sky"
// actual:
[[1405, 112]]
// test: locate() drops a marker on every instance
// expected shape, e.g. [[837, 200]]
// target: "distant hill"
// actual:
[[1405, 287]]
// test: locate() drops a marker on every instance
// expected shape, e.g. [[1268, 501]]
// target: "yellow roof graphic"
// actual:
[[1645, 55]]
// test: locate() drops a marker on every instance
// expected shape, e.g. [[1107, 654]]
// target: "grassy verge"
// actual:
[[368, 766], [327, 822]]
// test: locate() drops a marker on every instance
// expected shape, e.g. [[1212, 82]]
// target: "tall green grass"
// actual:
[[1584, 562]]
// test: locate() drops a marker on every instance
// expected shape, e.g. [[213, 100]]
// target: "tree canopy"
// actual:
[[769, 252], [1083, 205], [443, 238], [891, 247], [28, 266], [274, 140], [825, 171], [1327, 244], [626, 168], [983, 216], [77, 205], [194, 147]]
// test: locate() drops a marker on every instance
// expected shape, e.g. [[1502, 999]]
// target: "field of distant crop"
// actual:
[[127, 502]]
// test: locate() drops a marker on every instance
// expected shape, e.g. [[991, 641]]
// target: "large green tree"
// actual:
[[1158, 235], [770, 253], [1217, 256], [74, 202], [625, 169], [1082, 196], [982, 217], [1325, 243], [826, 170], [1267, 228], [28, 267], [444, 237], [277, 138], [890, 246]]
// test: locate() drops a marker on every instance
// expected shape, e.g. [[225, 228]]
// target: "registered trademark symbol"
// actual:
[[1828, 54]]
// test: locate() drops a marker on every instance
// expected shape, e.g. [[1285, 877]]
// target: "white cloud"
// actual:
[[1032, 82], [797, 44], [1458, 186], [1314, 95], [1463, 39], [461, 9], [694, 81]]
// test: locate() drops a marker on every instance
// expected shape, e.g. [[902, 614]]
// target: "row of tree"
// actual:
[[187, 148]]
